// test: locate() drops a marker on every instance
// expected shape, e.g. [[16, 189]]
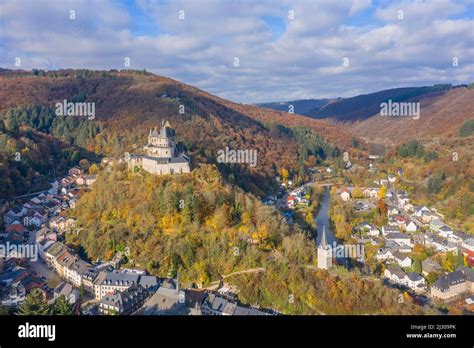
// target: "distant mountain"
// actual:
[[364, 106], [441, 116], [301, 107]]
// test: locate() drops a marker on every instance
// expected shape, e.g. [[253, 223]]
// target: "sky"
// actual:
[[250, 51]]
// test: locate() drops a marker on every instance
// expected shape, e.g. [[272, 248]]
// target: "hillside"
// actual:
[[441, 116], [301, 107], [129, 103], [364, 106]]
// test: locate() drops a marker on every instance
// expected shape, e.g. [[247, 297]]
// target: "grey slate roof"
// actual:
[[120, 279], [414, 277], [448, 280]]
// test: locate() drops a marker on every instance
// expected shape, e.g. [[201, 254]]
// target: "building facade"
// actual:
[[324, 252], [162, 156]]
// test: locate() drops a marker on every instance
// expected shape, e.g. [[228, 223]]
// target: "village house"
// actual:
[[416, 282], [115, 281], [436, 224], [399, 238], [15, 228], [419, 210], [387, 229], [391, 178], [439, 244], [401, 221], [411, 280], [124, 302], [445, 231], [430, 266], [57, 223], [344, 193], [290, 201], [90, 179], [66, 290], [216, 304], [457, 237], [371, 230], [76, 171], [395, 274], [393, 211], [408, 207], [384, 254], [468, 250], [45, 233], [14, 214], [401, 259], [452, 285], [168, 299], [411, 227], [74, 269], [371, 192]]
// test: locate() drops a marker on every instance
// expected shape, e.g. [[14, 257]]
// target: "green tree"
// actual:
[[459, 259], [62, 306], [432, 277], [417, 266], [34, 304]]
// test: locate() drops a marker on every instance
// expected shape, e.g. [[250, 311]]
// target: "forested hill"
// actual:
[[129, 103], [366, 105]]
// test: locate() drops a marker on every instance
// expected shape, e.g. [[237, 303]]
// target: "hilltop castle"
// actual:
[[162, 156]]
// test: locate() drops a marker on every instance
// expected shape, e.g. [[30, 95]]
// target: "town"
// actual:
[[101, 288], [415, 251]]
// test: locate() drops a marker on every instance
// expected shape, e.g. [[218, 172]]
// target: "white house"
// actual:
[[402, 259], [440, 244], [399, 238], [416, 282], [344, 193], [396, 275], [384, 254], [436, 224], [370, 229], [411, 227], [387, 229], [371, 192], [445, 231], [14, 214], [468, 244], [420, 210]]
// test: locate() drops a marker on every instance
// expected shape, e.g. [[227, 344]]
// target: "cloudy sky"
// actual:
[[250, 51]]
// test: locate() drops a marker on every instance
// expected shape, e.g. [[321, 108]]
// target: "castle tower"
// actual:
[[161, 143], [324, 252]]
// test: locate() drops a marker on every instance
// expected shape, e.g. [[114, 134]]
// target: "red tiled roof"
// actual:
[[15, 228]]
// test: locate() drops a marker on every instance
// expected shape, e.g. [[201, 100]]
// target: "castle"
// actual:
[[161, 157]]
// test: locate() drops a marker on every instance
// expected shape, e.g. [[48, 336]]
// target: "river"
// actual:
[[322, 219]]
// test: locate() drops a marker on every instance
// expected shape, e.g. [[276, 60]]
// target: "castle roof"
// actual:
[[165, 132]]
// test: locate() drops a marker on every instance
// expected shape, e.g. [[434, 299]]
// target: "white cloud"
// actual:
[[304, 61]]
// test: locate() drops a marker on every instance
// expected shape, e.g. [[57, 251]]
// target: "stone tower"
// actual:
[[161, 143], [324, 252]]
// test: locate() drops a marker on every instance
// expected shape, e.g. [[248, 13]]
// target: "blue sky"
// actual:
[[329, 48]]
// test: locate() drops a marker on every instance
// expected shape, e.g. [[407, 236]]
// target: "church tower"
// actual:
[[324, 252]]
